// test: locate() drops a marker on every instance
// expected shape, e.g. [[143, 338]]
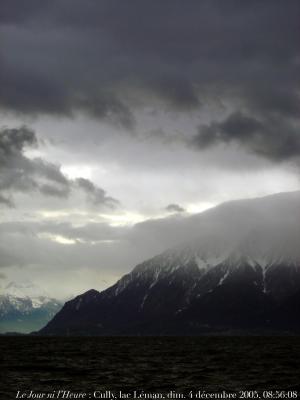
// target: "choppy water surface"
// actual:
[[148, 363]]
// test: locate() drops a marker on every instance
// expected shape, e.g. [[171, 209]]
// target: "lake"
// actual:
[[107, 365]]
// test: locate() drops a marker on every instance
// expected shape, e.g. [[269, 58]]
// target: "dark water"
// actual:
[[148, 363]]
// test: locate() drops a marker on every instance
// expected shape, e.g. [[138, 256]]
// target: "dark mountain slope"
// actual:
[[243, 277]]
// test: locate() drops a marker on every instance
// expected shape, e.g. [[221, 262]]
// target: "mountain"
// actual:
[[240, 270], [25, 307]]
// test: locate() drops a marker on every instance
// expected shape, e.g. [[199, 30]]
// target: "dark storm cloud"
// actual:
[[104, 58], [19, 173], [14, 140], [273, 138], [175, 208]]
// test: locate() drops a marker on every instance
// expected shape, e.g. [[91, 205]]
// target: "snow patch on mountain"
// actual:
[[24, 307]]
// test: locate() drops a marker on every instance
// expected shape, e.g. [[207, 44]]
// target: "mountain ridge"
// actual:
[[230, 276]]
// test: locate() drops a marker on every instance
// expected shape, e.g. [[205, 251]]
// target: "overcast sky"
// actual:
[[118, 112]]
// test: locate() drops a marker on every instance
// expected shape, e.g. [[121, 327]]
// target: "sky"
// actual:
[[119, 119]]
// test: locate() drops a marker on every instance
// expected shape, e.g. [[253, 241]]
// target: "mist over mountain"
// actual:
[[238, 267]]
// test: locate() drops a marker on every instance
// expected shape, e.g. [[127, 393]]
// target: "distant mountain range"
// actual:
[[25, 307], [240, 271]]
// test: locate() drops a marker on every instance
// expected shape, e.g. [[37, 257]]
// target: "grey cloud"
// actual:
[[177, 92], [273, 138], [236, 126], [108, 108], [54, 191], [6, 201], [13, 140], [106, 57], [35, 245], [175, 208], [91, 232], [95, 194], [275, 100], [20, 173]]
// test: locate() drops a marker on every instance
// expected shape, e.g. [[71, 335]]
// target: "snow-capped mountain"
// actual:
[[25, 307], [241, 272]]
